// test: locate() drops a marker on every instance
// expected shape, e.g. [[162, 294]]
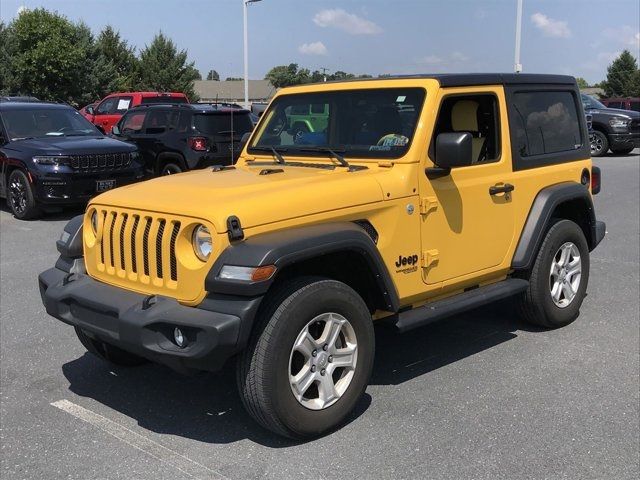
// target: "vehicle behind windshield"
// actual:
[[164, 99], [368, 123], [46, 122]]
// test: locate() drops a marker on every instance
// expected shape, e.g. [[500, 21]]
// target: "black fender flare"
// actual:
[[286, 247], [544, 205]]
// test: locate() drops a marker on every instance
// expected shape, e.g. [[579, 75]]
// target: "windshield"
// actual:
[[373, 123], [590, 102], [46, 122]]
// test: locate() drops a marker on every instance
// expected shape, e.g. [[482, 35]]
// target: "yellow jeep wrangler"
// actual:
[[423, 197]]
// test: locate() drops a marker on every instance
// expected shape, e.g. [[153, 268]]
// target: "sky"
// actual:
[[575, 37]]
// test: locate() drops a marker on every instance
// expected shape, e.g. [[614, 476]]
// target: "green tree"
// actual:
[[116, 65], [620, 76], [213, 75], [49, 56], [4, 59], [285, 75], [582, 83], [162, 67]]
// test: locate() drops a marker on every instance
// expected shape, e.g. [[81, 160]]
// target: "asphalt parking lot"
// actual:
[[479, 396]]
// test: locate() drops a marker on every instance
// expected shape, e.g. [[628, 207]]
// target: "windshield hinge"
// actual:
[[429, 258], [234, 228], [428, 204]]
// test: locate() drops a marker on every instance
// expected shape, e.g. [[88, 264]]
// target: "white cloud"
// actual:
[[459, 57], [431, 60], [315, 48], [348, 22], [550, 27], [624, 35], [21, 9]]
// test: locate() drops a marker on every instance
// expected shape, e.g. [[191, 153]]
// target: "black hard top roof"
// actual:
[[195, 107], [469, 79]]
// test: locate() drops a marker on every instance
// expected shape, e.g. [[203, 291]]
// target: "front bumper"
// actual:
[[79, 187], [621, 140], [214, 329]]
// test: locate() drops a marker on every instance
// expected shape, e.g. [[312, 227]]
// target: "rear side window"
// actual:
[[123, 104], [223, 124], [545, 122], [163, 99]]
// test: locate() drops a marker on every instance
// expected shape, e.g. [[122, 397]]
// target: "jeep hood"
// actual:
[[255, 198]]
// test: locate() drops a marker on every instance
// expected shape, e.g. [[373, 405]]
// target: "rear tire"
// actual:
[[559, 277], [599, 144], [170, 168], [279, 359], [109, 353], [20, 197]]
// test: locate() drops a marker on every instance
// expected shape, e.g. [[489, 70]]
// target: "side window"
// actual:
[[107, 106], [615, 104], [477, 114], [545, 122], [132, 123], [124, 103], [157, 122]]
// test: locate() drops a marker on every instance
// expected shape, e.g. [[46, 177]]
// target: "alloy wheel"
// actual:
[[18, 194], [323, 360], [565, 275]]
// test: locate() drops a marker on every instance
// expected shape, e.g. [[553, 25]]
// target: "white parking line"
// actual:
[[166, 455]]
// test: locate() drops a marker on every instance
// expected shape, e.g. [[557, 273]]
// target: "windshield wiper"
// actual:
[[331, 152], [276, 153]]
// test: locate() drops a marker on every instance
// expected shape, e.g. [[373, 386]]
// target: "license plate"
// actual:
[[104, 185]]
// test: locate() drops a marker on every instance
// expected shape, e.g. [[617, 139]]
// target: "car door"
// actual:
[[467, 217], [131, 129], [105, 117]]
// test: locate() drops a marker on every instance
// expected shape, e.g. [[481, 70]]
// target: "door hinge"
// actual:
[[428, 204], [429, 257]]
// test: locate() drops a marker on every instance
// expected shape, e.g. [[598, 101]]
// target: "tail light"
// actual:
[[595, 180], [199, 144]]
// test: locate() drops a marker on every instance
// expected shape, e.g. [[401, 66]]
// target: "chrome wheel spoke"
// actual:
[[303, 380], [331, 331], [344, 357], [565, 274], [327, 390], [305, 344]]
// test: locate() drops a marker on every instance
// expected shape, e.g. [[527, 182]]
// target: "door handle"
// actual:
[[496, 189]]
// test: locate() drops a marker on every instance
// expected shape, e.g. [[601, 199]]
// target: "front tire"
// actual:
[[20, 197], [310, 359], [622, 151], [559, 277], [170, 168], [107, 352], [599, 144]]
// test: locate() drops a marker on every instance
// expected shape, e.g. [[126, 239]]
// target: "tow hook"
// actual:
[[148, 302]]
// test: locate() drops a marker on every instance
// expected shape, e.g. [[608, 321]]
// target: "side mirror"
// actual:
[[90, 110], [245, 138], [453, 149], [115, 130]]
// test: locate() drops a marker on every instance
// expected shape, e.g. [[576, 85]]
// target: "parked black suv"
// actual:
[[618, 130], [50, 156], [175, 138]]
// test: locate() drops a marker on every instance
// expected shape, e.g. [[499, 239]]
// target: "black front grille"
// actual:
[[100, 162]]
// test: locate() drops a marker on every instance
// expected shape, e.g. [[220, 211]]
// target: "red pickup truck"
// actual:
[[108, 111]]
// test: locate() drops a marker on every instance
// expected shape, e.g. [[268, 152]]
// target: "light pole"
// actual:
[[246, 52], [518, 65]]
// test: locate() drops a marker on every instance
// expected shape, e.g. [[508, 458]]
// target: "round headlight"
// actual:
[[202, 242], [94, 222]]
